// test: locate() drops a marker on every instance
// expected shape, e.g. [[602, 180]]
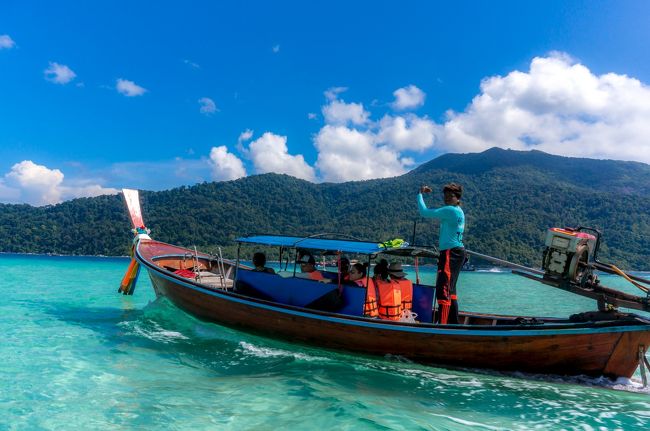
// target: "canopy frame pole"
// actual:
[[295, 263], [368, 273], [338, 264], [237, 264]]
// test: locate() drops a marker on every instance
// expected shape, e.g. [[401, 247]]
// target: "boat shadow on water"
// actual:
[[163, 330]]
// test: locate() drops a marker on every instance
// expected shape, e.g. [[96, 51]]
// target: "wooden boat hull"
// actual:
[[595, 349]]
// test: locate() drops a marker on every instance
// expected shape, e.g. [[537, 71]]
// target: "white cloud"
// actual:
[[407, 133], [312, 115], [340, 113], [346, 154], [269, 153], [129, 88], [408, 98], [558, 106], [88, 191], [208, 107], [333, 92], [37, 185], [59, 73], [352, 147], [225, 165], [191, 64], [276, 49], [6, 42], [244, 136]]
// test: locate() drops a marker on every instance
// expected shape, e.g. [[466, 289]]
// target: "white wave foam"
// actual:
[[530, 381], [493, 270], [472, 424], [398, 358], [267, 352], [153, 331]]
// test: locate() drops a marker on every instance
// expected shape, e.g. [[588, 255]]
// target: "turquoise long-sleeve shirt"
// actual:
[[452, 223]]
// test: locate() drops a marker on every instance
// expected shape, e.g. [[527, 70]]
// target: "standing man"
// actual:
[[452, 251]]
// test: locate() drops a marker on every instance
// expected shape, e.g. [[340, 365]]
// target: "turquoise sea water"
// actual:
[[76, 355]]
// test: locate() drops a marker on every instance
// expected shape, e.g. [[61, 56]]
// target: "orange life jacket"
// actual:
[[370, 306], [406, 287], [316, 275], [389, 298]]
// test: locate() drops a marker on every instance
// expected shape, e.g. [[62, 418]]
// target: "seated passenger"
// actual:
[[259, 261], [386, 295], [308, 268], [358, 275], [345, 269], [398, 276], [389, 300]]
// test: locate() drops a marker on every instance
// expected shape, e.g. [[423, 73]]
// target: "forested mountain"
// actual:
[[511, 198]]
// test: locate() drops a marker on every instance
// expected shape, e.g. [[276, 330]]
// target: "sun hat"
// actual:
[[395, 270]]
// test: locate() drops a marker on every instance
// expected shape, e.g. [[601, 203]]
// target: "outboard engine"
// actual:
[[568, 254]]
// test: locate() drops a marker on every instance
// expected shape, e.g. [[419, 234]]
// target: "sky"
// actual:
[[96, 96]]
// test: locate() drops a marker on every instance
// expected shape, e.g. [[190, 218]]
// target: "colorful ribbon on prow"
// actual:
[[127, 286]]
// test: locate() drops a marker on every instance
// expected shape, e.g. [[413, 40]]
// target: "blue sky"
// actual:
[[95, 96]]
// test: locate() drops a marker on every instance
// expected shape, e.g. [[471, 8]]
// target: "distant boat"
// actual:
[[282, 306]]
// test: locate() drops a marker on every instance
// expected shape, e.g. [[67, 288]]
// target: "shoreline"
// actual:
[[101, 256]]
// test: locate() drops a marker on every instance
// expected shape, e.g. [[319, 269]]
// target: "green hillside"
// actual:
[[511, 198]]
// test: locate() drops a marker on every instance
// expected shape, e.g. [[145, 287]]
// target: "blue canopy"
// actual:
[[346, 246]]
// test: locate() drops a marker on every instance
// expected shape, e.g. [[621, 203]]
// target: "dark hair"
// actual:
[[361, 268], [381, 269], [345, 264], [259, 259], [456, 189]]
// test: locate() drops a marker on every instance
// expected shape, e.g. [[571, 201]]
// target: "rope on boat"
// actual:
[[625, 276]]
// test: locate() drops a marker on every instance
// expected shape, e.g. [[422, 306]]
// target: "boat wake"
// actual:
[[621, 384], [152, 330], [269, 352], [630, 385], [467, 377]]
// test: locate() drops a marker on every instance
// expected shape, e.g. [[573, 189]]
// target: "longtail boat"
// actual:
[[606, 342]]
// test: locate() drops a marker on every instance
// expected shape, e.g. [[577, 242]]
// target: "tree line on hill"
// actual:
[[510, 199]]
